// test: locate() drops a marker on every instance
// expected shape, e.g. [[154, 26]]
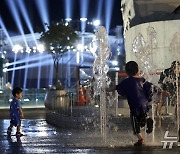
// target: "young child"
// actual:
[[167, 82], [135, 88], [16, 113]]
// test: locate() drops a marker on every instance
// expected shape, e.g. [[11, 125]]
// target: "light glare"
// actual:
[[96, 22], [115, 63], [7, 64], [83, 19], [40, 48], [5, 70], [68, 19], [80, 47], [17, 48]]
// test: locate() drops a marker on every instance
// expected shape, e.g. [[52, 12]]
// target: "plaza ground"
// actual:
[[41, 137]]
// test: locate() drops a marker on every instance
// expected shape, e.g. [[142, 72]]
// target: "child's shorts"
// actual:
[[15, 122], [138, 122]]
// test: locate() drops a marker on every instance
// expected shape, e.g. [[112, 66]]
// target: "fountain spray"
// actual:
[[100, 70]]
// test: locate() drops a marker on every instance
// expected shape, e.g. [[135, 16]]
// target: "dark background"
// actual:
[[56, 10]]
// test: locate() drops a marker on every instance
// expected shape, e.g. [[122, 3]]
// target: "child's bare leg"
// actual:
[[140, 140], [159, 108], [9, 129], [18, 129], [179, 135], [11, 126], [139, 136], [18, 133], [159, 113], [159, 105]]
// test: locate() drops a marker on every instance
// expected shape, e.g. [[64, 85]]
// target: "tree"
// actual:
[[57, 40]]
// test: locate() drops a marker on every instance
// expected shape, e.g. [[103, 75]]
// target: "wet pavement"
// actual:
[[40, 137]]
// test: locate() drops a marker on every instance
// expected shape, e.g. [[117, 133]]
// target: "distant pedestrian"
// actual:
[[139, 94], [168, 83], [16, 113]]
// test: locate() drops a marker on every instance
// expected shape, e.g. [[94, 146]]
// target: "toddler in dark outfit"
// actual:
[[16, 113], [138, 93]]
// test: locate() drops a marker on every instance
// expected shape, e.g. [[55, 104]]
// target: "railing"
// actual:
[[68, 103], [32, 98], [62, 104]]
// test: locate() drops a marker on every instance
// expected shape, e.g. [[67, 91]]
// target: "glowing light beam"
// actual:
[[69, 8], [84, 11], [99, 10], [29, 66], [13, 71], [30, 59], [43, 10], [51, 74], [25, 15], [5, 31], [108, 12], [39, 72], [25, 75], [75, 60], [15, 14]]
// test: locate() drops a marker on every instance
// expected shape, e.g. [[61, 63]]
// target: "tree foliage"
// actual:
[[58, 37], [56, 40]]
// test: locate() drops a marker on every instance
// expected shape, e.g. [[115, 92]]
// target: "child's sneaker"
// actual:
[[139, 142], [9, 131], [149, 125], [19, 134]]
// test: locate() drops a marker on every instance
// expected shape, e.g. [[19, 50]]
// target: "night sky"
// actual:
[[56, 10]]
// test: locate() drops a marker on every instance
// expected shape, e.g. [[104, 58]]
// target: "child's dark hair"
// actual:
[[16, 90], [131, 68], [173, 64]]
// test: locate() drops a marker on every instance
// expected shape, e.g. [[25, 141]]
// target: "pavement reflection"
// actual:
[[40, 137]]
